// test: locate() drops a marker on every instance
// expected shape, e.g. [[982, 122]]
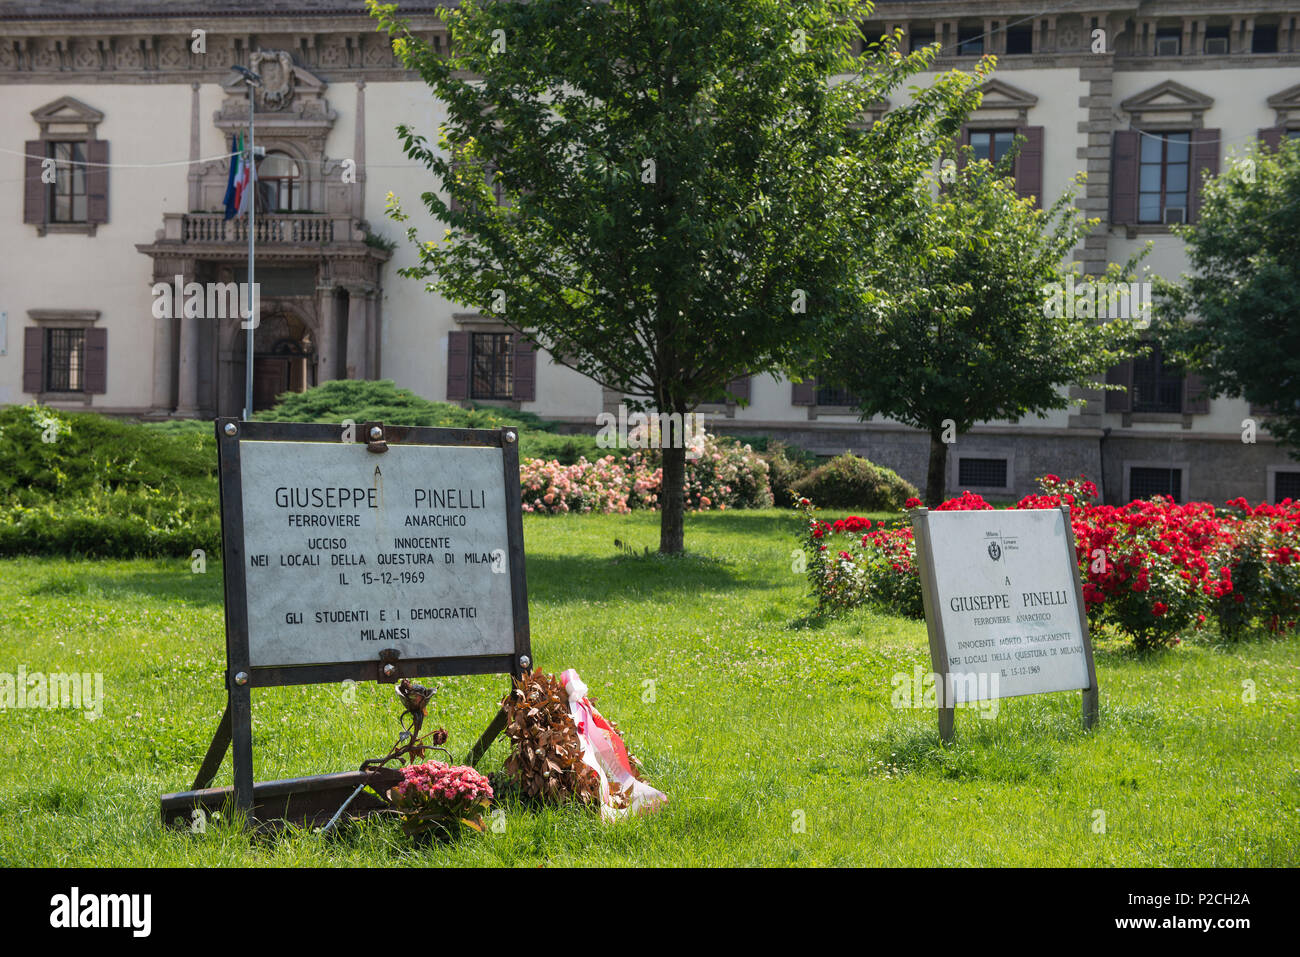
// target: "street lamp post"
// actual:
[[252, 80]]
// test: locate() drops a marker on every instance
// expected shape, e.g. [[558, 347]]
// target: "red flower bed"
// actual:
[[1152, 569]]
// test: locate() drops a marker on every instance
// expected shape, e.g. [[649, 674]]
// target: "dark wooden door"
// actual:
[[270, 378]]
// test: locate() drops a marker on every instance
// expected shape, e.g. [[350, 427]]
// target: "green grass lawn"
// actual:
[[752, 715]]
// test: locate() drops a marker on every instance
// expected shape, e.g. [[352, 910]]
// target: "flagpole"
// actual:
[[253, 80], [252, 297]]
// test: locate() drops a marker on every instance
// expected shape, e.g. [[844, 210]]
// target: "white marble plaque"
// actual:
[[350, 552], [1007, 603]]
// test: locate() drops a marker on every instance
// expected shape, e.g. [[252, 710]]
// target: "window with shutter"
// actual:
[[1164, 177], [1205, 165], [803, 393], [75, 198], [35, 189], [1124, 178], [491, 365], [1158, 385], [457, 366], [524, 385], [1120, 400], [65, 360], [66, 200], [1196, 400], [1271, 137], [33, 360], [1029, 164]]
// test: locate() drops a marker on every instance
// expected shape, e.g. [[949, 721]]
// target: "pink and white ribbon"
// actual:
[[604, 751]]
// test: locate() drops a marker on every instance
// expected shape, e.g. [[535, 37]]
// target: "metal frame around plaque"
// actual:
[[235, 728], [920, 520]]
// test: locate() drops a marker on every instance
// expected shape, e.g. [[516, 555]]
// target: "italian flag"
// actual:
[[238, 187]]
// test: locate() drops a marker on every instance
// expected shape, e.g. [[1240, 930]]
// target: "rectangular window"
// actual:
[[1020, 40], [829, 395], [491, 365], [1216, 40], [1169, 41], [1146, 482], [1164, 171], [970, 41], [919, 40], [1264, 39], [65, 360], [67, 194], [981, 473], [1157, 383], [991, 145], [1286, 485], [870, 37]]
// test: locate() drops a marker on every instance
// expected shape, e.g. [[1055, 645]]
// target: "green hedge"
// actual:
[[76, 483]]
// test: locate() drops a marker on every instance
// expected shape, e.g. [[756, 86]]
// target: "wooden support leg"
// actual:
[[216, 753], [485, 741]]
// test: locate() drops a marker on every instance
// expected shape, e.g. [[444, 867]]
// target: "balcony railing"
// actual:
[[309, 229]]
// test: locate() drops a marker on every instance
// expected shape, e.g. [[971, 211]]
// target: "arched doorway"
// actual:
[[284, 359]]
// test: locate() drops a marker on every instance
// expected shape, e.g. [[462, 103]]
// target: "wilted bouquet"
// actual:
[[434, 795]]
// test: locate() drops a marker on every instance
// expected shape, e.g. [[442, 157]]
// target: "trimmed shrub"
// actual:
[[383, 401], [77, 483], [850, 481]]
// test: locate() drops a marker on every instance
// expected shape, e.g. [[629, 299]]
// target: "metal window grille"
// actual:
[[1145, 482], [830, 395], [492, 366], [1286, 485], [982, 473], [65, 351]]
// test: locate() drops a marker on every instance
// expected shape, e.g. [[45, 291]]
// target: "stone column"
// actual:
[[373, 337], [357, 366], [164, 364], [326, 362], [187, 399]]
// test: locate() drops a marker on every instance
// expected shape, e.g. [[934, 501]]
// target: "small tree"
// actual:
[[955, 324], [1234, 317], [655, 191]]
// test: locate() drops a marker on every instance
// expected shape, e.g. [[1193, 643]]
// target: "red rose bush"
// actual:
[[1152, 570]]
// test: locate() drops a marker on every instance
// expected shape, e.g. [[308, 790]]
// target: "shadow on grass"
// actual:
[[744, 522], [1006, 751], [178, 585]]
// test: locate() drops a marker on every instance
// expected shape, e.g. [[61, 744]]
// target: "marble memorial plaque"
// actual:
[[1007, 603], [349, 553]]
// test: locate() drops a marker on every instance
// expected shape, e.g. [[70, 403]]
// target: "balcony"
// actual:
[[271, 229]]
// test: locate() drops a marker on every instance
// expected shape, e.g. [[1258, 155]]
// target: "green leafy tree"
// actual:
[[655, 191], [1233, 317], [954, 324]]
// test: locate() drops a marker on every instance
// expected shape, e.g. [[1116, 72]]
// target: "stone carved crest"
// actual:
[[276, 69]]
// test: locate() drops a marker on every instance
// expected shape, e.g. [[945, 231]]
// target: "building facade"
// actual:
[[138, 100]]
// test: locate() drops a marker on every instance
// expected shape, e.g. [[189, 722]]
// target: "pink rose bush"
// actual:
[[725, 475], [1152, 570], [434, 795]]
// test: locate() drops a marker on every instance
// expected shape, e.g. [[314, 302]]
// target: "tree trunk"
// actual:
[[672, 501], [936, 476]]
